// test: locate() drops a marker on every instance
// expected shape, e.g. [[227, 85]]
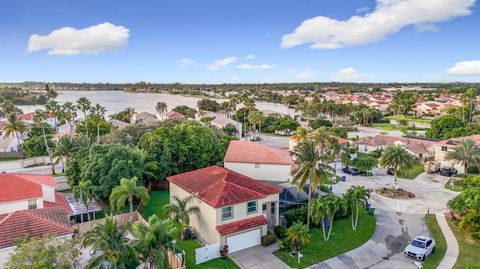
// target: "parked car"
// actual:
[[390, 172], [420, 247], [350, 170], [448, 172]]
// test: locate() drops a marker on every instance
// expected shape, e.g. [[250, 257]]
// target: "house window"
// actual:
[[420, 155], [366, 149], [227, 212], [257, 165], [444, 148], [251, 207], [32, 204], [264, 207]]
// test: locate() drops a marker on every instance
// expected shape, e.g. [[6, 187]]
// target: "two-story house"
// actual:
[[235, 210], [258, 161], [443, 147]]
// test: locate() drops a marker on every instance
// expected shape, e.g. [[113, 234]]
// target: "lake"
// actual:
[[116, 101]]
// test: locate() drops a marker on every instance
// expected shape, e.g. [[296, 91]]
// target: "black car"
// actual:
[[390, 172], [448, 172], [350, 170]]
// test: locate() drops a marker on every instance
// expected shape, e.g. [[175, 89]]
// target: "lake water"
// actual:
[[116, 101]]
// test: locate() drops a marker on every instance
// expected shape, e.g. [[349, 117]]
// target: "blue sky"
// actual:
[[218, 41]]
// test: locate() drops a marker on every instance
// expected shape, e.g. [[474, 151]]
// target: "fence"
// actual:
[[207, 253], [23, 163]]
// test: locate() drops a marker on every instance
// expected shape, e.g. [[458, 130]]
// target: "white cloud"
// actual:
[[305, 75], [256, 66], [70, 41], [349, 74], [250, 57], [222, 63], [388, 17], [290, 70], [465, 68], [184, 62], [362, 10]]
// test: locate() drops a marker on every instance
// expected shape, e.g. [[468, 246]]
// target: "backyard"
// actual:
[[343, 239], [155, 207]]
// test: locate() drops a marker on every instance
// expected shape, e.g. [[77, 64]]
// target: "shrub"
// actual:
[[317, 123], [280, 231], [285, 244], [295, 215], [376, 153], [268, 239]]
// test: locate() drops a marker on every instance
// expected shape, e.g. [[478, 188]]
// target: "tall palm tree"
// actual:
[[7, 107], [127, 190], [14, 126], [320, 214], [110, 241], [161, 109], [397, 158], [97, 113], [300, 134], [255, 118], [354, 196], [466, 153], [152, 241], [129, 113], [53, 109], [65, 148], [84, 192], [298, 234], [249, 105], [180, 209], [69, 113], [84, 105], [39, 119]]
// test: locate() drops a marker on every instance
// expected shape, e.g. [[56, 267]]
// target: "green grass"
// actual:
[[409, 118], [155, 207], [10, 159], [457, 184], [327, 178], [411, 173], [342, 239], [440, 244], [385, 126], [469, 249]]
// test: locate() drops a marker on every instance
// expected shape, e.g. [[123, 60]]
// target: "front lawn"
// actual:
[[411, 173], [155, 206], [408, 118], [457, 184], [342, 239], [384, 126], [469, 249], [440, 244]]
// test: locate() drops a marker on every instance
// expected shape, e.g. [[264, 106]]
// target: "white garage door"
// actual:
[[243, 240]]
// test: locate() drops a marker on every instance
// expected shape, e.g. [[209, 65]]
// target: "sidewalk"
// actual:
[[451, 254]]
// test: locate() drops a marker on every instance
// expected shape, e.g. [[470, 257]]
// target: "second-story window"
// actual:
[[32, 204], [252, 207], [444, 148], [227, 212]]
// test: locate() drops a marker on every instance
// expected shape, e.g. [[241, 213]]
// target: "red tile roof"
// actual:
[[175, 115], [38, 178], [60, 201], [452, 142], [34, 222], [417, 146], [251, 152], [218, 186], [15, 187], [29, 116], [241, 225]]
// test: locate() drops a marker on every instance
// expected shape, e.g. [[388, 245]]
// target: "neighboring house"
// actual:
[[221, 122], [145, 118], [235, 210], [258, 161], [33, 222], [421, 148], [28, 118], [9, 143], [64, 130], [442, 147], [119, 124], [174, 115]]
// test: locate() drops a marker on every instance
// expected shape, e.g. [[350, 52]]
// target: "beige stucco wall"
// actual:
[[268, 172], [440, 157], [18, 205]]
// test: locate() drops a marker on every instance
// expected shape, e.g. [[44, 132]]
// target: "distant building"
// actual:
[[175, 115], [421, 148], [145, 118]]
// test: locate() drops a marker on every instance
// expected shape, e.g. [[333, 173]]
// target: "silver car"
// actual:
[[420, 247]]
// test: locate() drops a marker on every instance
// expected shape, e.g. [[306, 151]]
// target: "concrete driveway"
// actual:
[[257, 258]]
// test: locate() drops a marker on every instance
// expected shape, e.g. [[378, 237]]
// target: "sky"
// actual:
[[247, 41]]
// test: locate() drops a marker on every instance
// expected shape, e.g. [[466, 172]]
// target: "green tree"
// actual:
[[103, 127], [34, 146], [365, 163], [128, 190], [8, 107], [326, 209], [15, 127], [110, 241], [97, 113], [397, 158], [208, 105], [69, 114], [64, 149], [54, 110], [39, 119], [256, 118], [186, 111], [466, 153], [402, 103], [354, 197], [298, 234], [230, 129], [443, 127], [84, 192], [84, 105], [180, 209], [161, 109]]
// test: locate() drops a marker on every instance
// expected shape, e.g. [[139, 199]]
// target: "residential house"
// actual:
[[443, 147], [421, 148], [28, 118], [258, 161], [221, 122], [10, 143], [119, 124], [174, 115], [235, 210], [145, 118]]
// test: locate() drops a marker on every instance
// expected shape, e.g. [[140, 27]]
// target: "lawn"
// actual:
[[469, 249], [327, 178], [10, 159], [411, 173], [384, 126], [408, 118], [440, 243], [155, 206], [457, 184], [342, 239]]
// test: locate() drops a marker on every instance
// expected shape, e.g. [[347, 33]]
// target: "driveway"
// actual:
[[257, 258]]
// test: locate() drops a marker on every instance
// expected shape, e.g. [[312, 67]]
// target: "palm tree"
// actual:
[[152, 241], [129, 113], [8, 107], [84, 192], [127, 190], [320, 214], [397, 158], [69, 113], [97, 113], [53, 109], [39, 119], [84, 105], [466, 153], [354, 196], [15, 127], [180, 210], [110, 241], [298, 234], [65, 148], [300, 134], [255, 118], [161, 109]]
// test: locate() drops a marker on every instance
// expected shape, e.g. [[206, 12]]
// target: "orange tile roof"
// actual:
[[251, 152], [60, 201], [452, 142], [15, 187], [218, 186], [34, 222], [241, 225]]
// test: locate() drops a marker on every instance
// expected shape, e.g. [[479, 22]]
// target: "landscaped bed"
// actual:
[[343, 239], [412, 172], [469, 255], [390, 193], [155, 206], [440, 244]]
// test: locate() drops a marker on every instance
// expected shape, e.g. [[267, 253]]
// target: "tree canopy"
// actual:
[[208, 105]]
